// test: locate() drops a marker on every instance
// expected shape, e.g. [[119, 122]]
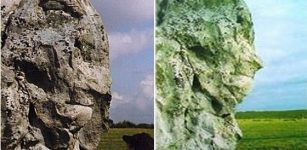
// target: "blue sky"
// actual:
[[129, 24], [281, 37], [281, 42]]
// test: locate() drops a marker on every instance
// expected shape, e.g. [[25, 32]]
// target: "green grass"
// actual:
[[273, 130], [290, 114], [112, 140]]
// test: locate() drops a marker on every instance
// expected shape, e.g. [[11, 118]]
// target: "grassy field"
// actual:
[[280, 130], [291, 114], [113, 139]]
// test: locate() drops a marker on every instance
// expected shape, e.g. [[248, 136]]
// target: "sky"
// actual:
[[281, 42], [130, 28]]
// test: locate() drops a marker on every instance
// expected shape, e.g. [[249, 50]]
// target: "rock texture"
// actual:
[[55, 75], [205, 64]]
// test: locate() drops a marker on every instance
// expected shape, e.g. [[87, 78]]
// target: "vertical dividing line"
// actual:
[[154, 99]]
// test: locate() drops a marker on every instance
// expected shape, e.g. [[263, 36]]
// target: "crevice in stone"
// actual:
[[52, 136], [97, 95], [82, 148], [70, 60], [56, 62], [160, 15], [225, 115], [59, 5], [196, 86], [35, 75], [3, 33], [240, 19], [31, 114], [78, 44], [216, 104], [38, 123], [202, 52], [3, 39], [32, 120]]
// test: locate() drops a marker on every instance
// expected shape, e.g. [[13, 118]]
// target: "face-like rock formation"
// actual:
[[205, 64], [55, 75]]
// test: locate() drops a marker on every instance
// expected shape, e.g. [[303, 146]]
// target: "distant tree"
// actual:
[[129, 124], [145, 125], [124, 124], [111, 123]]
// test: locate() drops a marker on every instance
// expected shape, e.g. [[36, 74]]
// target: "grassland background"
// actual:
[[112, 140], [270, 130], [278, 130]]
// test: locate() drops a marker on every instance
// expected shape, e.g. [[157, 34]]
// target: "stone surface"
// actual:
[[205, 65], [55, 75]]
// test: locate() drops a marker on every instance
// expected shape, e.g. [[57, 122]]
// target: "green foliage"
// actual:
[[129, 124], [112, 140], [283, 130]]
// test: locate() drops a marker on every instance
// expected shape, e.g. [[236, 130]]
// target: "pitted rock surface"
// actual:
[[206, 62], [55, 75]]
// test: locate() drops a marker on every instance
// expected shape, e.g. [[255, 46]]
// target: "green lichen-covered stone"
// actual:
[[205, 64]]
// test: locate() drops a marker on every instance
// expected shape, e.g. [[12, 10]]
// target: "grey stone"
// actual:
[[206, 62], [55, 75]]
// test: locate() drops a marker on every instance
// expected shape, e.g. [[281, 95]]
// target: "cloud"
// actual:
[[144, 99], [130, 28], [137, 106], [134, 41], [116, 96], [117, 99], [147, 86]]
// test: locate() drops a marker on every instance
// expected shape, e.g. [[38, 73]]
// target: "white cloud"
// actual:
[[147, 86], [129, 42], [116, 96], [144, 100], [136, 106], [129, 25], [118, 99]]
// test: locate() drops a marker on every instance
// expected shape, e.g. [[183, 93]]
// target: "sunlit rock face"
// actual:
[[55, 75], [205, 64]]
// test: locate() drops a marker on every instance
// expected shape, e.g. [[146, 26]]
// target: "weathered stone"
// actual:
[[205, 64], [55, 75]]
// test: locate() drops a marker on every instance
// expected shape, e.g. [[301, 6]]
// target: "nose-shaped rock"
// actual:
[[48, 49], [79, 114], [205, 64]]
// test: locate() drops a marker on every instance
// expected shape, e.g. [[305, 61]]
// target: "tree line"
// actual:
[[129, 124]]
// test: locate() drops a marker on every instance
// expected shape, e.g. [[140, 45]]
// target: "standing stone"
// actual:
[[55, 75], [206, 62]]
